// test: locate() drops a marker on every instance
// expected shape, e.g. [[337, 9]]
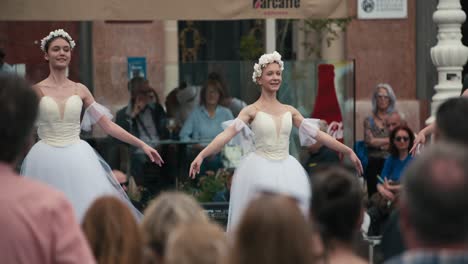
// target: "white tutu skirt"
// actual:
[[76, 170], [256, 174]]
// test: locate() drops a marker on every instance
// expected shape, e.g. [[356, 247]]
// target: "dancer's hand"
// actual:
[[195, 167], [420, 139], [153, 155], [356, 162]]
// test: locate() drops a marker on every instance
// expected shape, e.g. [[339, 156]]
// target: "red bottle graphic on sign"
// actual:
[[326, 104]]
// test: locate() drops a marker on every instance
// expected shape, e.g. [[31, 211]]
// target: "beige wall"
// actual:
[[384, 51], [112, 44]]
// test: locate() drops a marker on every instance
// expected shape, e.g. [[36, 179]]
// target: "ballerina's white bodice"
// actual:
[[59, 121], [271, 134]]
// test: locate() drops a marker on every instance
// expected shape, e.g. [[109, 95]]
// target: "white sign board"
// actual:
[[382, 9]]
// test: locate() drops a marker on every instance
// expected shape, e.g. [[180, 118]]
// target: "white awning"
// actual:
[[135, 10]]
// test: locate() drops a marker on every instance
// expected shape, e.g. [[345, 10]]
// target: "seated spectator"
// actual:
[[204, 123], [129, 186], [234, 104], [382, 202], [112, 232], [393, 120], [376, 133], [401, 141], [319, 154], [164, 214], [200, 243], [433, 218], [144, 118], [272, 230], [38, 223], [337, 213]]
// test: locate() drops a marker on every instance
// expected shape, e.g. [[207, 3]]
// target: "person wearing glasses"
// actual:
[[383, 201], [401, 141]]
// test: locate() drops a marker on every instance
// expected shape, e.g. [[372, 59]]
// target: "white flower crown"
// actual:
[[57, 33], [264, 60]]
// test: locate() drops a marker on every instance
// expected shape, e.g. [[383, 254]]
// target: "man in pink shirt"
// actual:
[[37, 223]]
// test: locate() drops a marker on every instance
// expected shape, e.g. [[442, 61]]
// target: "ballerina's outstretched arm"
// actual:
[[97, 113], [324, 138], [218, 142], [421, 137]]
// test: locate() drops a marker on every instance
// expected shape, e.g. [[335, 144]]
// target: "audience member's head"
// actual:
[[199, 243], [336, 207], [383, 97], [451, 120], [211, 93], [393, 120], [121, 179], [112, 232], [135, 84], [272, 230], [401, 136], [18, 108], [217, 77], [164, 214], [434, 198]]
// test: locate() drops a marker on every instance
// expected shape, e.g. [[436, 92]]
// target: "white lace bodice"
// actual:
[[59, 122], [271, 134]]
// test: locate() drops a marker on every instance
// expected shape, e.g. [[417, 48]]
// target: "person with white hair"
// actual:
[[376, 133]]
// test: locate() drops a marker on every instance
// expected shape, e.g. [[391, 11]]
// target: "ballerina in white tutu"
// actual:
[[270, 167], [60, 158]]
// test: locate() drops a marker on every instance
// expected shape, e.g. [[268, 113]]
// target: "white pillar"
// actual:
[[449, 55], [171, 56], [270, 38]]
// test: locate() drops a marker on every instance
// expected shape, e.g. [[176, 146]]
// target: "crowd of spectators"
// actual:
[[423, 197]]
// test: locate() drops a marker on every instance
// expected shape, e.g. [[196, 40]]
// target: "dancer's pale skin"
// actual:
[[60, 88], [428, 130], [270, 82]]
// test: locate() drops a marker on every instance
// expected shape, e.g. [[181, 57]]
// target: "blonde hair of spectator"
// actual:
[[272, 230], [164, 214], [112, 232], [199, 243]]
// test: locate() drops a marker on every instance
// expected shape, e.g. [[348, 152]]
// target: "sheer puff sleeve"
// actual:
[[308, 131], [244, 137], [92, 114]]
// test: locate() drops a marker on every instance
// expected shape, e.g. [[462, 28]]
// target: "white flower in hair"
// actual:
[[264, 60], [57, 33]]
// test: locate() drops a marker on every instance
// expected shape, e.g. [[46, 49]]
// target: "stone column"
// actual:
[[171, 47], [449, 55]]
